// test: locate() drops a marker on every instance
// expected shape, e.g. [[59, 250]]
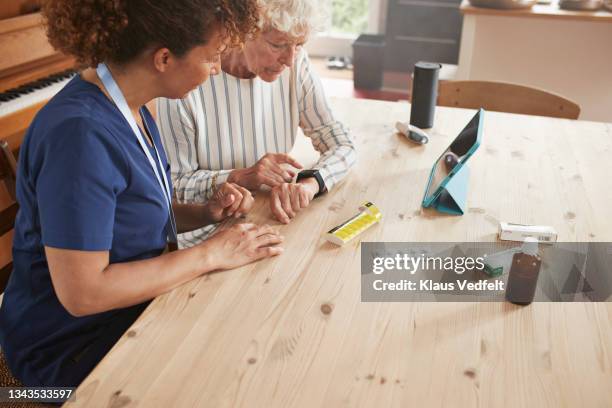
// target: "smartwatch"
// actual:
[[317, 176]]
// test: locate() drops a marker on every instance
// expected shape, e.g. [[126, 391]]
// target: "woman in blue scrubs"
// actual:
[[95, 205]]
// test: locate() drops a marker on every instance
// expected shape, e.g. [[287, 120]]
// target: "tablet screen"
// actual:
[[459, 151]]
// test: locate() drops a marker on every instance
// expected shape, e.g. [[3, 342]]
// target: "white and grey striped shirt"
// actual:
[[229, 122]]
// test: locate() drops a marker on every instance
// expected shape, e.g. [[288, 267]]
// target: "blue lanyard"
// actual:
[[117, 96]]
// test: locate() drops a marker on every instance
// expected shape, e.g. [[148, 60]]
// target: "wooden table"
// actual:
[[292, 332]]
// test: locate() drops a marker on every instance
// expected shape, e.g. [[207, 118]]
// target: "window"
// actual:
[[349, 19], [349, 16]]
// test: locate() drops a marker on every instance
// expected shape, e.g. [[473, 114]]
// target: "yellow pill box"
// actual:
[[369, 215]]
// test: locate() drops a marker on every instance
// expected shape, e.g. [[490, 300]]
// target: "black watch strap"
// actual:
[[317, 176]]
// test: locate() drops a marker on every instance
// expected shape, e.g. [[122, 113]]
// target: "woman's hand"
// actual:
[[267, 170], [229, 200], [287, 199], [242, 244]]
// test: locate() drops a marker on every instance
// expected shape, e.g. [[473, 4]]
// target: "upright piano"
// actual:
[[31, 72]]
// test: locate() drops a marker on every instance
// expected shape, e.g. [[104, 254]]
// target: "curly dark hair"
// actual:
[[94, 31]]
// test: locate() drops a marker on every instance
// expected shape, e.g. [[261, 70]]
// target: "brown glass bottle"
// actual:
[[524, 273]]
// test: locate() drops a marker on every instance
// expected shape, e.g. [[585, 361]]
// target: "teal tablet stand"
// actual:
[[453, 198], [450, 194]]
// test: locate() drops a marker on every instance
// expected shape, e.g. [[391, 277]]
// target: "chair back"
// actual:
[[506, 97]]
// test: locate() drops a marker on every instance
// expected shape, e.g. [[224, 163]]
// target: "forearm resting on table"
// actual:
[[196, 185], [85, 282]]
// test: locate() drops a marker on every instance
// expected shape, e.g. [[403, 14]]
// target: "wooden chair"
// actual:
[[505, 97], [8, 212]]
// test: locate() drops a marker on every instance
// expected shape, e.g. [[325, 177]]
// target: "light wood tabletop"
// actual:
[[292, 331]]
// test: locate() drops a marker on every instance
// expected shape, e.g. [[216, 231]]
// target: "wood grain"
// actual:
[[6, 244], [292, 332], [26, 52], [506, 97], [14, 8], [25, 30]]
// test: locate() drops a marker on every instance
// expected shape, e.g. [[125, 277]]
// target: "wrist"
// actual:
[[207, 260], [316, 176], [235, 176], [206, 214], [310, 183]]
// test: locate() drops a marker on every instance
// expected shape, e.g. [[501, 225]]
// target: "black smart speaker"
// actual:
[[424, 94]]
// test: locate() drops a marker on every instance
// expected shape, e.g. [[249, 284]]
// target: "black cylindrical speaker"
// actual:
[[424, 94]]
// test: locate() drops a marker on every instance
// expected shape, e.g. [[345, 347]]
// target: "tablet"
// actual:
[[453, 158]]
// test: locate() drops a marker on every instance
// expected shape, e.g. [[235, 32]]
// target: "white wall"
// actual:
[[568, 57]]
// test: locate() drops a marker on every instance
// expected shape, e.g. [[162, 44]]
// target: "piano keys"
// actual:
[[24, 96]]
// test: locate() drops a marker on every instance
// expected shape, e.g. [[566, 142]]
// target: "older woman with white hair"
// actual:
[[240, 125]]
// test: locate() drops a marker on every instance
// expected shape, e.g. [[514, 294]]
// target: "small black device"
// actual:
[[424, 94], [317, 176]]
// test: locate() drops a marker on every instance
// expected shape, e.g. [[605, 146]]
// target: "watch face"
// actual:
[[313, 173], [307, 173]]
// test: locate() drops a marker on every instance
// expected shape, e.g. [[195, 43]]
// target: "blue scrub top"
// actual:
[[83, 183]]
